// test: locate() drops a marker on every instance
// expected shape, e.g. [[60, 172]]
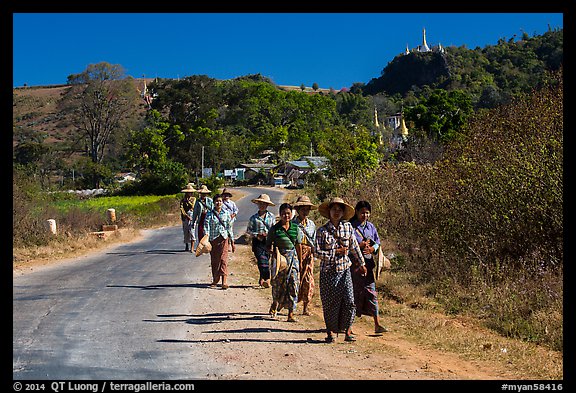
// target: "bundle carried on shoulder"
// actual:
[[279, 262], [382, 263], [204, 246]]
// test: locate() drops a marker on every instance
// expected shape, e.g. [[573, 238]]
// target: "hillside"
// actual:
[[490, 75]]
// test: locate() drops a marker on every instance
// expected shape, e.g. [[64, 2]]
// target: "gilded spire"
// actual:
[[403, 128], [424, 44]]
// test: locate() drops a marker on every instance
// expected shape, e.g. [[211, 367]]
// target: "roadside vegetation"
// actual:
[[480, 231]]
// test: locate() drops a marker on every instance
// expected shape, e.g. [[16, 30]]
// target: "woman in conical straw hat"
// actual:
[[203, 204], [303, 206], [218, 227], [186, 205], [258, 226], [337, 249]]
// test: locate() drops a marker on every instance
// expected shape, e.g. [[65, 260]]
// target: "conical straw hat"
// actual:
[[324, 208], [264, 198], [189, 188]]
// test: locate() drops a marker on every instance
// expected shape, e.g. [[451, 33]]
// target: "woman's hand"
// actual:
[[363, 271], [368, 250]]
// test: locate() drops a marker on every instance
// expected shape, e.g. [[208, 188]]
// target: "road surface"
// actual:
[[115, 314]]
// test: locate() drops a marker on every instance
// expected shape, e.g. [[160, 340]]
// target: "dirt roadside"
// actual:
[[265, 348]]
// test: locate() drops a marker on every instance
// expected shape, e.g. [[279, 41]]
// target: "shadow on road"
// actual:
[[161, 286], [156, 252], [308, 340]]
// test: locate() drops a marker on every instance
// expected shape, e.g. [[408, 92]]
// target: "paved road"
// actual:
[[101, 316]]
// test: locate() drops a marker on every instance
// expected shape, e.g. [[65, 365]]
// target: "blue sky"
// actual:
[[334, 50]]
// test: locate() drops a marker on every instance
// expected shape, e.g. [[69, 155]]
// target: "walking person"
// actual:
[[230, 206], [203, 204], [218, 226], [335, 245], [365, 294], [285, 238], [258, 227], [303, 207], [186, 206]]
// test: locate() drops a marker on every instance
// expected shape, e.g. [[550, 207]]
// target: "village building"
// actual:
[[296, 171]]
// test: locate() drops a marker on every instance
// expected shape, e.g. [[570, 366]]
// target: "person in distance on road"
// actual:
[[218, 226], [230, 206], [285, 238], [203, 204], [365, 294], [335, 246], [186, 205], [308, 228], [258, 226]]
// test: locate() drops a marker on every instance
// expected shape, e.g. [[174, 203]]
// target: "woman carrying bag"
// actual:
[[285, 237]]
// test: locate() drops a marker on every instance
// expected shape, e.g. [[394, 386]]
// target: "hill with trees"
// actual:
[[490, 75]]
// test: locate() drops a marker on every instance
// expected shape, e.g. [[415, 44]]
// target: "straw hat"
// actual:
[[226, 192], [324, 208], [189, 188], [203, 190], [204, 246], [280, 262], [263, 198], [303, 200]]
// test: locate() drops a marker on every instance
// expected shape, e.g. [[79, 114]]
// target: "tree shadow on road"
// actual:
[[307, 340], [161, 286], [205, 319]]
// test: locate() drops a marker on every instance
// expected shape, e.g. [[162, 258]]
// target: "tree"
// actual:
[[443, 115], [146, 149], [315, 86], [101, 98]]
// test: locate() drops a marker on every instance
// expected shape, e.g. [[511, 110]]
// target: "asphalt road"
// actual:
[[108, 315]]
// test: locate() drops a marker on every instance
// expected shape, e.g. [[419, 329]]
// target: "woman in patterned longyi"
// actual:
[[335, 244]]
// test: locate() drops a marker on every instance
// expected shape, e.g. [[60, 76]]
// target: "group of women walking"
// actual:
[[285, 251], [345, 246]]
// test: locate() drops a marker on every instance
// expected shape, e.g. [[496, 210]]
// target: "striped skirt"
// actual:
[[306, 290]]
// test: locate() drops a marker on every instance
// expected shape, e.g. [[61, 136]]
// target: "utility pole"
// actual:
[[202, 173]]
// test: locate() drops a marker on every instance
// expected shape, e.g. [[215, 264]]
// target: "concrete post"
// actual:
[[111, 214], [51, 226]]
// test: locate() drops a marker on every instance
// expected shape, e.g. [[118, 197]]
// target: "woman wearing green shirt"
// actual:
[[286, 237]]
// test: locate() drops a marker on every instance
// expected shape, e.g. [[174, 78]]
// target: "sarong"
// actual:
[[337, 295], [262, 258], [187, 230], [285, 284], [219, 257], [306, 290], [365, 295]]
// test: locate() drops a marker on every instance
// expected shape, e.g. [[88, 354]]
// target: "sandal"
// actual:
[[272, 313], [381, 329], [329, 338], [224, 286], [349, 337]]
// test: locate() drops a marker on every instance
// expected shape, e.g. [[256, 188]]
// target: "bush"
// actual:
[[486, 218]]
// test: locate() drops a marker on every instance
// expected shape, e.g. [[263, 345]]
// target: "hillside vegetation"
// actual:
[[482, 228]]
